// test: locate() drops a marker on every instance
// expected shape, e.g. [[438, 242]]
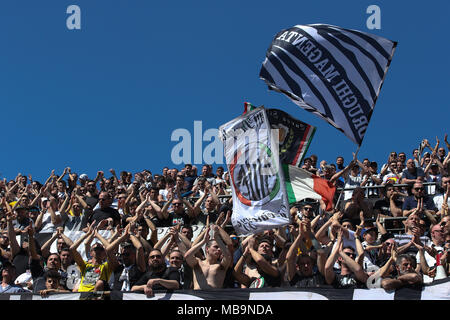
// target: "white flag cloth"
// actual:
[[251, 152]]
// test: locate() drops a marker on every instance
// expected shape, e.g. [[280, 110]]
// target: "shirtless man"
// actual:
[[209, 273], [262, 270]]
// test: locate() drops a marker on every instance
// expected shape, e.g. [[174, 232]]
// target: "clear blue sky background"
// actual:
[[111, 94]]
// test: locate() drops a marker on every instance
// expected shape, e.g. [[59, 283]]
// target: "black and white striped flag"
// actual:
[[332, 72]]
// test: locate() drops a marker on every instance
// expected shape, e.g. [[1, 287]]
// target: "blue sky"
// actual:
[[111, 94]]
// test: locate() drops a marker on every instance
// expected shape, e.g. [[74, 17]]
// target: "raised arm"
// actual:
[[329, 272], [55, 218], [191, 260], [227, 259], [14, 245], [111, 249], [199, 202], [166, 206], [266, 266], [291, 256], [238, 273], [45, 249], [73, 248]]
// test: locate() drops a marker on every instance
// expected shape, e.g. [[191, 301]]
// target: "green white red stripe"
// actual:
[[306, 140], [301, 184]]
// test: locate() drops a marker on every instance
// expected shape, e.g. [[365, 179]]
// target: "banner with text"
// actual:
[[251, 153]]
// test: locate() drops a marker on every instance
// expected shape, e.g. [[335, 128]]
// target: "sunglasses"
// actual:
[[419, 189], [155, 256], [352, 255], [307, 208]]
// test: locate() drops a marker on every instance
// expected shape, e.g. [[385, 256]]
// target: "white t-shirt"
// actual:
[[393, 176], [350, 182], [47, 225], [439, 200], [431, 189]]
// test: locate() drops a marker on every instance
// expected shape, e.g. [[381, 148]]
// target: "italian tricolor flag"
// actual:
[[302, 184]]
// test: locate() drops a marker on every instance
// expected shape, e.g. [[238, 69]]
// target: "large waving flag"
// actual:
[[332, 72]]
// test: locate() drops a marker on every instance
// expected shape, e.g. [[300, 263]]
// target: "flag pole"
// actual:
[[342, 191]]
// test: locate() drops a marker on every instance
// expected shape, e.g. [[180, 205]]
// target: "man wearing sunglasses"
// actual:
[[439, 199], [351, 273], [420, 203], [437, 245], [129, 265], [306, 211], [412, 173], [158, 275]]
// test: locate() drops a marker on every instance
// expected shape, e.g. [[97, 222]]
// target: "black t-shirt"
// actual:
[[169, 273], [190, 180], [187, 275], [348, 281], [299, 281], [213, 215], [384, 206], [175, 218], [102, 214], [38, 273], [21, 261], [134, 274], [91, 201]]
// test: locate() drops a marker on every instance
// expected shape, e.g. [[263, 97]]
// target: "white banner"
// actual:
[[75, 235], [251, 153]]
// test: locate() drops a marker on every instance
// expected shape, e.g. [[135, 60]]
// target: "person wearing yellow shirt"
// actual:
[[96, 272]]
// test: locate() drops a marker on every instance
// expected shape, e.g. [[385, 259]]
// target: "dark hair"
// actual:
[[155, 249], [52, 274], [358, 191], [186, 226], [128, 245], [265, 239], [349, 247]]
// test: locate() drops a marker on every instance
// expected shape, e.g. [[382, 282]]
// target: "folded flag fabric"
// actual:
[[301, 184], [294, 136]]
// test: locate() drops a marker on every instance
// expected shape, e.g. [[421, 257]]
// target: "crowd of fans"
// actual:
[[357, 245]]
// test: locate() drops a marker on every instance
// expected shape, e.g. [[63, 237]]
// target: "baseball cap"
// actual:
[[369, 229], [83, 176]]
